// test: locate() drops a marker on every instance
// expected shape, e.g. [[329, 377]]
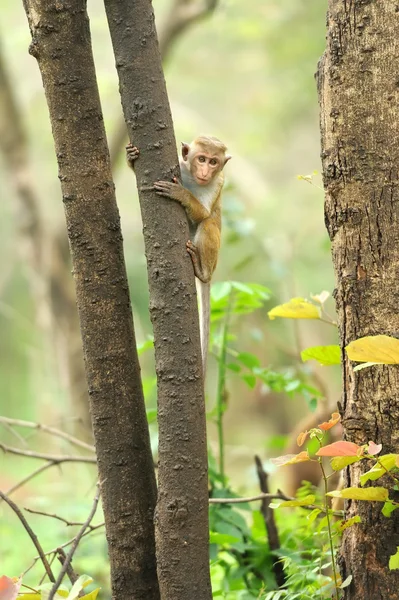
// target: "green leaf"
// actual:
[[372, 494], [388, 509], [222, 538], [340, 462], [249, 360], [250, 380], [312, 516], [147, 345], [385, 463], [296, 308], [151, 415], [325, 355], [394, 560], [233, 367], [378, 349]]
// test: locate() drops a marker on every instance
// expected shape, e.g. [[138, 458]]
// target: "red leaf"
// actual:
[[340, 449], [328, 424], [9, 587]]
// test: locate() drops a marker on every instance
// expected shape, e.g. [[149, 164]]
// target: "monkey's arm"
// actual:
[[196, 212]]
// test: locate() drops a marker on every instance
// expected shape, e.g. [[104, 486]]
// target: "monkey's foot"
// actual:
[[132, 153], [193, 252]]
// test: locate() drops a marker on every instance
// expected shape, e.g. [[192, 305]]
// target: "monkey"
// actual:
[[199, 193]]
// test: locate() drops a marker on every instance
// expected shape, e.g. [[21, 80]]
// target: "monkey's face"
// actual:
[[205, 167]]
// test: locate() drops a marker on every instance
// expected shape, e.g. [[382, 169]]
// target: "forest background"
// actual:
[[245, 75]]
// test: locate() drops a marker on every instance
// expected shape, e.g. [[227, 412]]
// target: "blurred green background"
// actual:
[[246, 75]]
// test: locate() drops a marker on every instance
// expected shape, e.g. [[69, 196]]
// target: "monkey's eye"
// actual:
[[201, 159], [213, 161]]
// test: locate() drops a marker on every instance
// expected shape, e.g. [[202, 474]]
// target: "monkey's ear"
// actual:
[[227, 158], [185, 149]]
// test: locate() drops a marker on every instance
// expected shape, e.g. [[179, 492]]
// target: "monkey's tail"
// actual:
[[204, 290]]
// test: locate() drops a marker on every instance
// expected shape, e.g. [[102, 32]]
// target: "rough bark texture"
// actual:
[[61, 43], [359, 94], [180, 16], [182, 509]]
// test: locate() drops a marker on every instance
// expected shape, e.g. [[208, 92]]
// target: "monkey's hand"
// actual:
[[174, 191], [132, 154]]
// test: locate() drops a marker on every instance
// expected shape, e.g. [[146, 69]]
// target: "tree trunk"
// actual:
[[61, 43], [182, 536], [358, 88]]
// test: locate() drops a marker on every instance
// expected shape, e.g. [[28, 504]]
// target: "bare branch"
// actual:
[[59, 518], [68, 559], [54, 458], [270, 523], [47, 429], [29, 477], [31, 534]]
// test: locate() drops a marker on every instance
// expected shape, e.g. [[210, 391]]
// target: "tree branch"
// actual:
[[47, 429], [181, 15], [31, 534], [53, 458], [68, 559]]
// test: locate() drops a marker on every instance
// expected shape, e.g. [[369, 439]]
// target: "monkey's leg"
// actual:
[[195, 259]]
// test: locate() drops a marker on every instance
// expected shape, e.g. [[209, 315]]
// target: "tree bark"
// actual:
[[61, 43], [358, 90], [182, 537]]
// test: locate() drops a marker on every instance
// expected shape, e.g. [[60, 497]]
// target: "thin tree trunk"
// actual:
[[358, 89], [61, 43], [182, 511]]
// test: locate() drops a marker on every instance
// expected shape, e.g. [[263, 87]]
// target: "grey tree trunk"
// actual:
[[182, 536], [358, 82], [61, 43]]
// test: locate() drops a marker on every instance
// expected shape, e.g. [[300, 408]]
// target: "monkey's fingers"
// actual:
[[164, 188], [132, 152]]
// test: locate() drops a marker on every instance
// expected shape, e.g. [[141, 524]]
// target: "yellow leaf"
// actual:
[[290, 459], [92, 596], [348, 523], [372, 494], [381, 349], [302, 502], [300, 440], [296, 308]]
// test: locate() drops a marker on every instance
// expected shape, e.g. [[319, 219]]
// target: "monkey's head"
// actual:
[[206, 157]]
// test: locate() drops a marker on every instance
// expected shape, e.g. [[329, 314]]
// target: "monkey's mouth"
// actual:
[[201, 181]]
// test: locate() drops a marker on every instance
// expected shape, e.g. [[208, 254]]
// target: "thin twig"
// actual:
[[75, 544], [31, 534], [277, 496], [55, 458], [54, 516], [47, 429], [29, 477], [270, 523]]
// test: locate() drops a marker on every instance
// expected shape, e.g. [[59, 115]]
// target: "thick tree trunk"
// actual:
[[182, 511], [61, 43], [358, 82]]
